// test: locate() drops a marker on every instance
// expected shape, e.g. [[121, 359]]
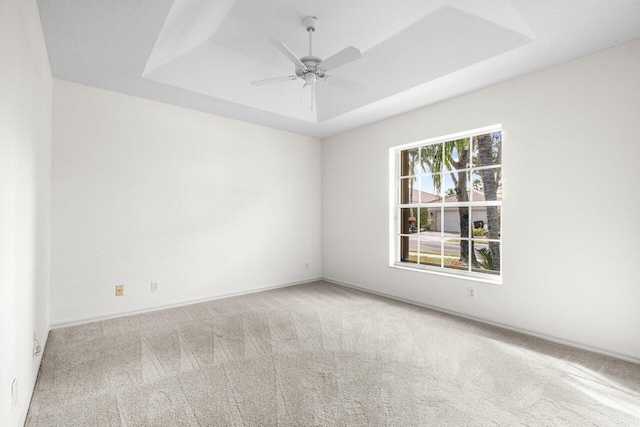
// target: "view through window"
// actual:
[[449, 199]]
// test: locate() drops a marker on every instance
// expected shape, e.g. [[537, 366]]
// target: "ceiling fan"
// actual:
[[312, 69]]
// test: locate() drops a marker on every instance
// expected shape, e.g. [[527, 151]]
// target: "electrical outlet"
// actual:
[[154, 286], [119, 290], [471, 292], [14, 393], [37, 349]]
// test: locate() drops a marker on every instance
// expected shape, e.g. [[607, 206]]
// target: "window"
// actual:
[[447, 207]]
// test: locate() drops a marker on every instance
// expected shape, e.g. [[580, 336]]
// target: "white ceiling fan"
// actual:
[[312, 69]]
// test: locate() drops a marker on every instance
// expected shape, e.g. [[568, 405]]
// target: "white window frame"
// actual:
[[395, 206]]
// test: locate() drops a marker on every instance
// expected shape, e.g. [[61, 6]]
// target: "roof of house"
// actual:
[[478, 196], [422, 197]]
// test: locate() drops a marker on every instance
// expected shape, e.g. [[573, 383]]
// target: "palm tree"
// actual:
[[490, 153], [439, 155], [409, 160], [413, 162]]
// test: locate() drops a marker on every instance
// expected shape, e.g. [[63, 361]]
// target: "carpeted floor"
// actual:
[[321, 355]]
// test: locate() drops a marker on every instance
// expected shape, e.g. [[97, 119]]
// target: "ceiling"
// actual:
[[203, 54]]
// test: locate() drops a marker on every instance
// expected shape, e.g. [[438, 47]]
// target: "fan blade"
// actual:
[[341, 58], [274, 80], [287, 52], [345, 84]]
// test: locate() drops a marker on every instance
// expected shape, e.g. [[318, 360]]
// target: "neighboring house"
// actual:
[[451, 220]]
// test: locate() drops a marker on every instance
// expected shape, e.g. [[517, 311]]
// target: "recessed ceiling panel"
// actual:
[[217, 49]]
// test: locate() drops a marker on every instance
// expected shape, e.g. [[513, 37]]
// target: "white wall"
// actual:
[[206, 206], [571, 152], [25, 159]]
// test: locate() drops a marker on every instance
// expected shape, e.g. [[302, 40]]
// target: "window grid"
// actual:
[[419, 210]]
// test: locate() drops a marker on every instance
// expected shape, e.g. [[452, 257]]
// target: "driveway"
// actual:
[[430, 241]]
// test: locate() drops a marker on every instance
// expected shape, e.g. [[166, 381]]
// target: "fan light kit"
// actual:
[[312, 69]]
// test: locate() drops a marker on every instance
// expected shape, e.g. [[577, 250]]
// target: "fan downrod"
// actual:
[[312, 73]]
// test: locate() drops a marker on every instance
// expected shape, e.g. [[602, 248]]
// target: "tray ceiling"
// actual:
[[203, 55]]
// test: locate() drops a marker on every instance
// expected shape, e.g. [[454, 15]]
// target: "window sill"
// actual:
[[474, 277]]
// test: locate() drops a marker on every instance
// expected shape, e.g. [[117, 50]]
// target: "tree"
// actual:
[[414, 157], [438, 155], [459, 178], [490, 153]]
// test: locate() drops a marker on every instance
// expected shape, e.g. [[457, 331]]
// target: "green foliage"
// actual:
[[484, 259], [479, 232], [424, 220], [439, 158]]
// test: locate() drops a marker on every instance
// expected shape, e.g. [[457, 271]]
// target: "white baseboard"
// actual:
[[552, 338], [178, 304]]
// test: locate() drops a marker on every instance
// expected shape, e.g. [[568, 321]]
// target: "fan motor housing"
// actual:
[[311, 62]]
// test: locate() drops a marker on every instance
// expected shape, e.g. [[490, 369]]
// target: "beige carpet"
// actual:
[[321, 355]]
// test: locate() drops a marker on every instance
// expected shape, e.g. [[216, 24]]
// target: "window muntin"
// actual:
[[448, 205]]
